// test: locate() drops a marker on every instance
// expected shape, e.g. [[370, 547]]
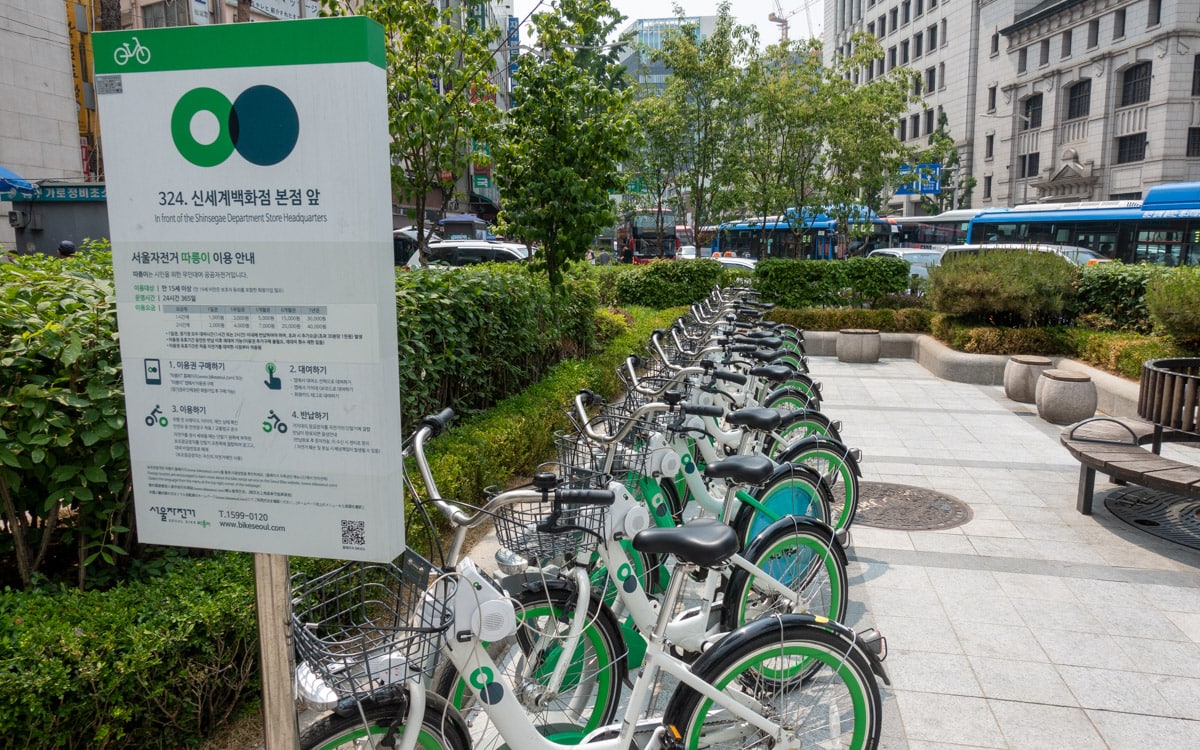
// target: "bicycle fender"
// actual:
[[785, 469], [823, 442], [811, 400], [740, 639], [823, 531]]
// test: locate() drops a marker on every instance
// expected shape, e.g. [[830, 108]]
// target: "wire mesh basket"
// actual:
[[363, 626], [578, 528]]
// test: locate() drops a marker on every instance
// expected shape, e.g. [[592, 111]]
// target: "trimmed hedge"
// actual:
[[830, 283], [1004, 288], [143, 665], [904, 320]]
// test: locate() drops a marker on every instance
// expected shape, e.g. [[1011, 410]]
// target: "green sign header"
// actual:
[[241, 45]]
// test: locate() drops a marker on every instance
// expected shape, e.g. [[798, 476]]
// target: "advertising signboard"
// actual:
[[255, 289]]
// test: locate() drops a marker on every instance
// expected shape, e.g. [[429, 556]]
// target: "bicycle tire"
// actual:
[[831, 459], [793, 490], [441, 727], [796, 426], [601, 634], [802, 554], [791, 398], [836, 704]]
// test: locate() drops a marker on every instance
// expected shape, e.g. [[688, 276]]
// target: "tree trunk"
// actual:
[[16, 527], [243, 11], [110, 15]]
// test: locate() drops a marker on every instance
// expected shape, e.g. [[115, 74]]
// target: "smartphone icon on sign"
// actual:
[[153, 372]]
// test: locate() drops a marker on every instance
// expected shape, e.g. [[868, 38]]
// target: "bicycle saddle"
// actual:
[[705, 541], [746, 469], [773, 373], [755, 417]]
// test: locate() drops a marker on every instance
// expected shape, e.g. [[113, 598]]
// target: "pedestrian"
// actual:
[[627, 253], [66, 249]]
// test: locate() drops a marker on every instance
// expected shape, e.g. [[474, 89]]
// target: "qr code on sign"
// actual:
[[354, 533]]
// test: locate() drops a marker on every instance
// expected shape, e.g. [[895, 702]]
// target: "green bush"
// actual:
[[907, 320], [1173, 297], [975, 339], [64, 462], [1112, 296], [145, 665], [830, 283], [470, 336], [667, 283], [1122, 353], [1004, 288]]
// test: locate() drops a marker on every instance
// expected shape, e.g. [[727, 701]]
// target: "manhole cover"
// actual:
[[1172, 517], [907, 508]]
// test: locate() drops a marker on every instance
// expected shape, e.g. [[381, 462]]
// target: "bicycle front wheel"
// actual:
[[590, 690], [799, 553], [835, 706], [441, 728]]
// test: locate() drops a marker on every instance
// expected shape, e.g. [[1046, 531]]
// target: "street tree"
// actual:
[[568, 131], [704, 93], [656, 166], [955, 190], [442, 114]]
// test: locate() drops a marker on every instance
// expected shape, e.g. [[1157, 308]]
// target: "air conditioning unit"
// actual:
[[17, 219]]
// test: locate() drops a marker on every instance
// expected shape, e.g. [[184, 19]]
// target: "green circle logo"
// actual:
[[261, 125]]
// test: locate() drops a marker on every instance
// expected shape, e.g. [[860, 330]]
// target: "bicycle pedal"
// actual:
[[873, 641]]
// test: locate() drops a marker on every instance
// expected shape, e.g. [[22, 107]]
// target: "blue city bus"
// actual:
[[804, 234], [1163, 228]]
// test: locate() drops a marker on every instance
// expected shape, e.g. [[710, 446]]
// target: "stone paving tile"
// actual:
[[1033, 727], [1021, 681], [952, 719], [1130, 731]]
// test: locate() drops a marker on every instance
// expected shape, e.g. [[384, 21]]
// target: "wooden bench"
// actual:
[[1168, 402]]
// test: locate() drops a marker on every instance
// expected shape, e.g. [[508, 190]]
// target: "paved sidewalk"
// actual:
[[1031, 626]]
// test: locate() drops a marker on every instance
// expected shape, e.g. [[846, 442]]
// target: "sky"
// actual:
[[750, 12]]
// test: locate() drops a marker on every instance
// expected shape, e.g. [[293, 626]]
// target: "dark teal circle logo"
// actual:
[[261, 125]]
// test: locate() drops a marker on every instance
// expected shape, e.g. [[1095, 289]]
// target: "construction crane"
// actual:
[[781, 18]]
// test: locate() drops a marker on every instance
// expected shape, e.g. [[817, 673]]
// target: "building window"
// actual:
[[917, 84], [164, 14], [932, 4], [942, 75], [1093, 33], [891, 58], [1079, 100], [1135, 84], [1044, 53], [903, 130], [931, 35], [1119, 24], [918, 45], [920, 8], [1028, 165], [1196, 76], [1155, 13], [871, 28], [991, 104], [906, 11], [1066, 44], [1131, 148], [996, 43], [989, 145], [930, 124], [894, 18], [987, 186], [1193, 147], [914, 124], [904, 52], [1033, 113], [930, 79], [1022, 59], [882, 25]]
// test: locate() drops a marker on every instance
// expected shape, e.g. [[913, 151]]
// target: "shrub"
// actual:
[[1173, 297], [146, 665], [908, 320], [999, 339], [868, 280], [1122, 353], [1005, 288], [610, 323], [830, 283], [1112, 296], [667, 283]]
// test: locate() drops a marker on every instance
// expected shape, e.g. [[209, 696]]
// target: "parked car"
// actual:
[[466, 253], [687, 251], [404, 242], [920, 260], [746, 264]]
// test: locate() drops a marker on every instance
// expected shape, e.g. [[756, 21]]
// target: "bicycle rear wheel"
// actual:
[[835, 706], [441, 727]]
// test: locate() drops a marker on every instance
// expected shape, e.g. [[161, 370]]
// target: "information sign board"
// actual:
[[922, 179], [249, 203]]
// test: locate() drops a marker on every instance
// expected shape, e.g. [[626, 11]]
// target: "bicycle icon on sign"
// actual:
[[274, 423], [137, 52], [155, 417]]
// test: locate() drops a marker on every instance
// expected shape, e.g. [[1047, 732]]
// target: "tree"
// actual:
[[110, 15], [442, 114], [943, 151], [704, 93], [566, 135], [656, 164]]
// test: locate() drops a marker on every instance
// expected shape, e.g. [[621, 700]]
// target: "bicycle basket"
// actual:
[[581, 463], [363, 626], [517, 525]]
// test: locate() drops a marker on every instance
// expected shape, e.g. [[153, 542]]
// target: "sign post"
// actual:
[[249, 206]]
